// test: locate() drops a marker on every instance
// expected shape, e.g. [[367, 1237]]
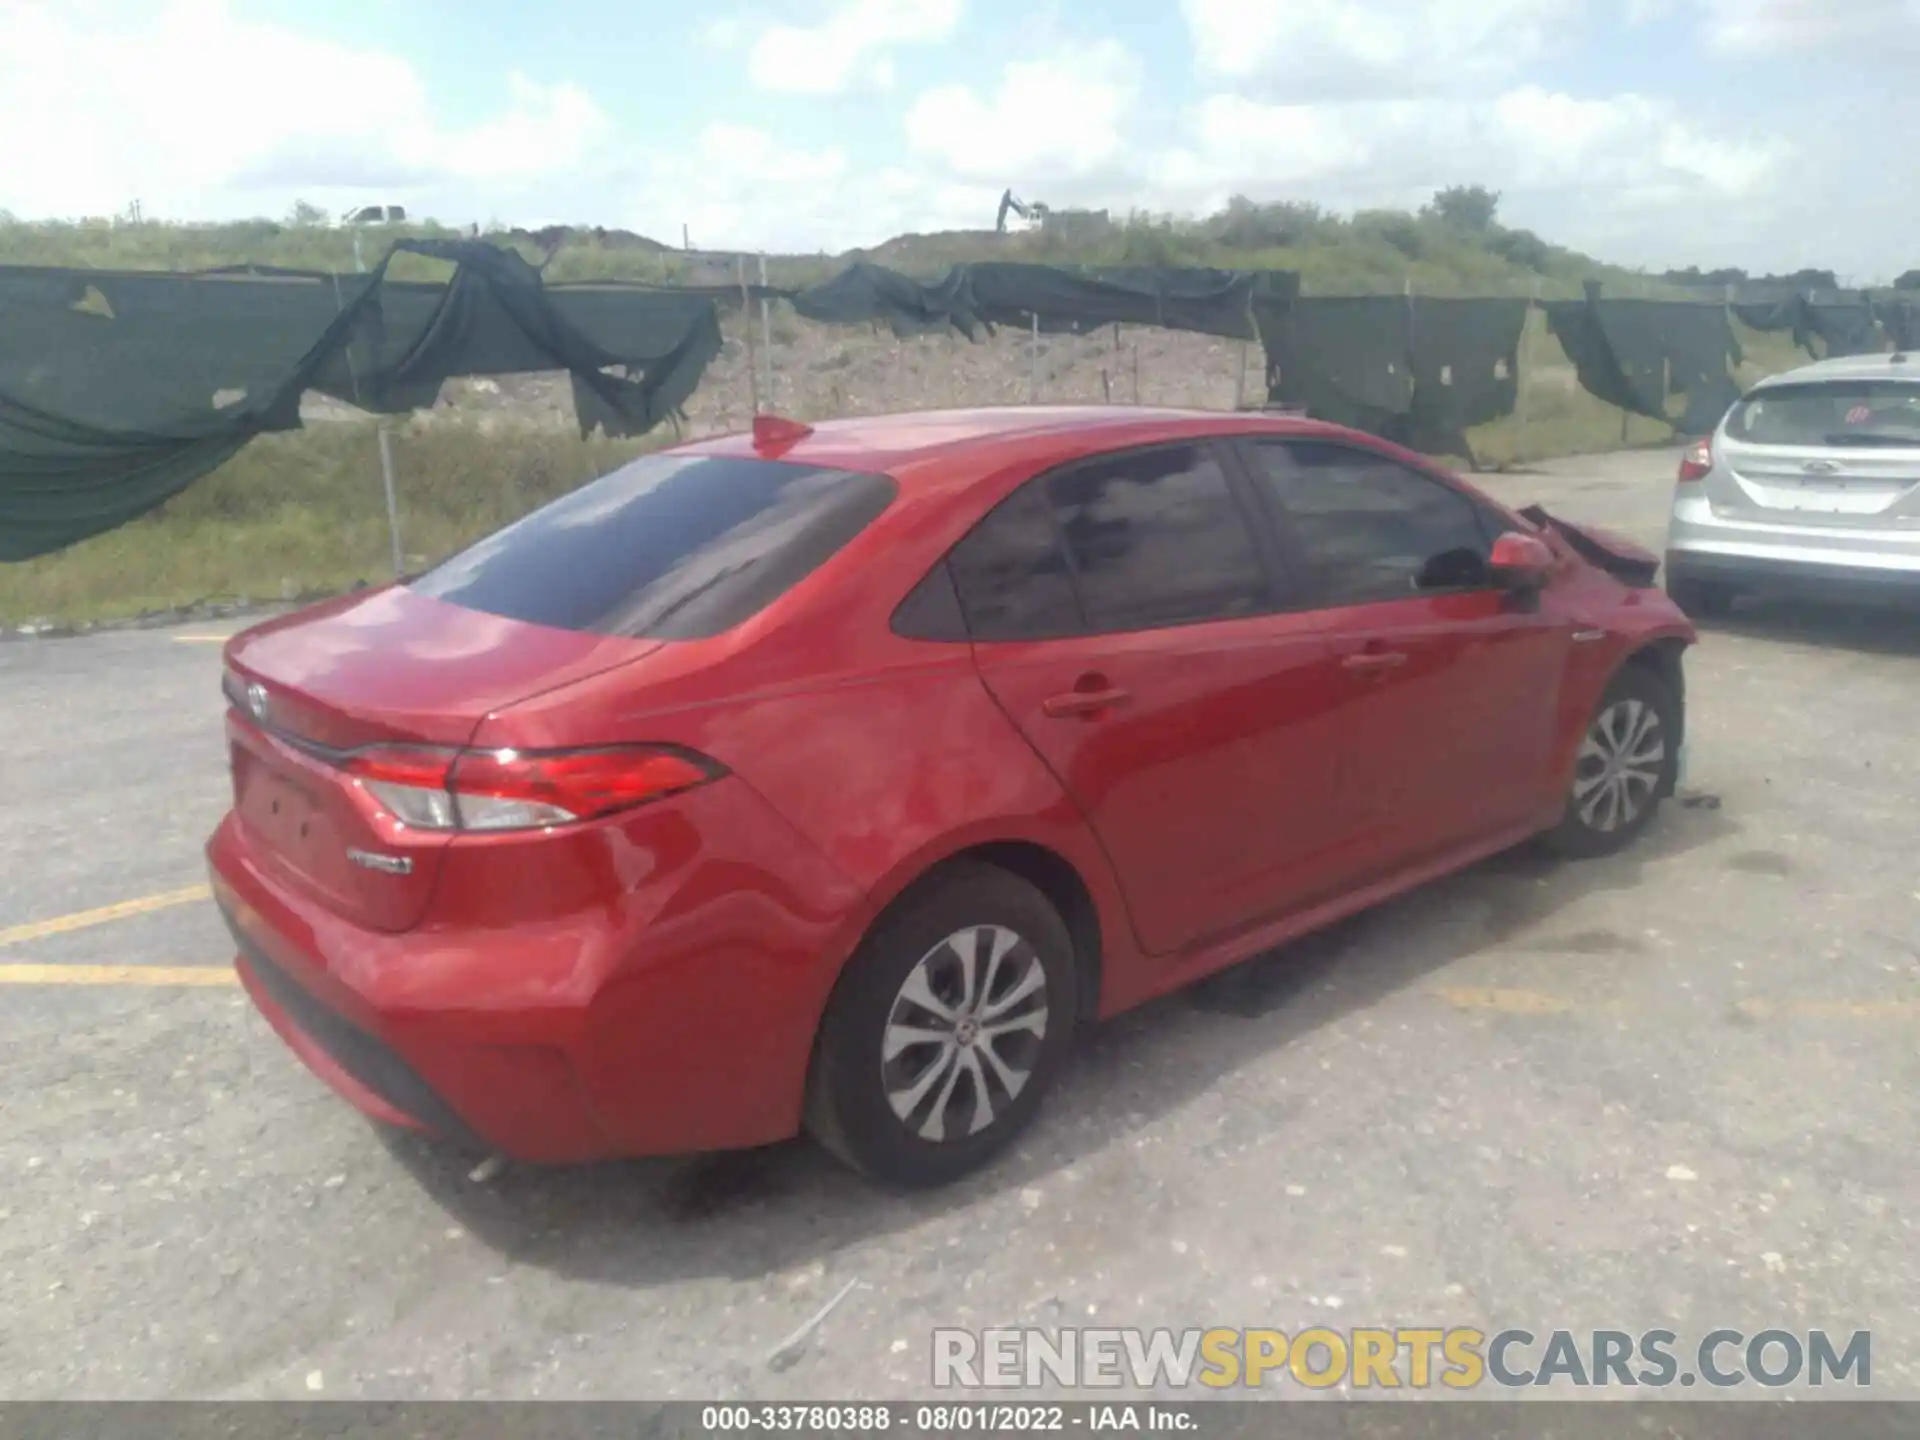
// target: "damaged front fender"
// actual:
[[1627, 562]]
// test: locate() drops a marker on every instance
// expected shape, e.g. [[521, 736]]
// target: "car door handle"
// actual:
[[1370, 660], [1084, 702]]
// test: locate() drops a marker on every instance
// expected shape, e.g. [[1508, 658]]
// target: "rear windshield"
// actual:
[[670, 547], [1830, 413]]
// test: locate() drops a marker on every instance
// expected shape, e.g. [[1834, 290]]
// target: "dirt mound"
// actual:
[[822, 371]]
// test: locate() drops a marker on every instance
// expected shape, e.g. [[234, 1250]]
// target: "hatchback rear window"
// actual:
[[1829, 413], [670, 547]]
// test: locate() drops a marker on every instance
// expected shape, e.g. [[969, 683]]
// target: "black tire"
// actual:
[[1583, 831], [1701, 599], [849, 1109]]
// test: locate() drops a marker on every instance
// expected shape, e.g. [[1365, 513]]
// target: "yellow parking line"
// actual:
[[1507, 1002], [154, 975], [80, 920], [1832, 1009], [201, 639]]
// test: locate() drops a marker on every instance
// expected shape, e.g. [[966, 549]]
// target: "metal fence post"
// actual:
[[1033, 367], [766, 330], [386, 446], [393, 505], [746, 315], [1522, 367]]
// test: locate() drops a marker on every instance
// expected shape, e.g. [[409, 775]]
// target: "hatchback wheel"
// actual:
[[945, 1030], [1625, 767]]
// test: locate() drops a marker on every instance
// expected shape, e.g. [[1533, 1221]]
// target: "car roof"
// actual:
[[1897, 366], [924, 444]]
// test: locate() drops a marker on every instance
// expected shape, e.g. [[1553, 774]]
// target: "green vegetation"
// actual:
[[1452, 246], [303, 514], [1556, 417]]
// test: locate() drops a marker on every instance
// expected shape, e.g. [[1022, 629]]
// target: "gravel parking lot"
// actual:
[[1671, 1088]]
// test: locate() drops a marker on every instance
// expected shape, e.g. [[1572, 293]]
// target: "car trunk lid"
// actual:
[[1840, 452], [386, 669], [1834, 485]]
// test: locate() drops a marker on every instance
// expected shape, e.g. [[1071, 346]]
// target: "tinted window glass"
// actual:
[[673, 547], [1157, 538], [1849, 412], [932, 610], [1371, 529], [1012, 577]]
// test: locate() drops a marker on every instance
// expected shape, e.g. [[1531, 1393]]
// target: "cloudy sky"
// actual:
[[1758, 133]]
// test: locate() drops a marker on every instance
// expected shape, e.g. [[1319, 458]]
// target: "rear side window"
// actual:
[[1831, 413], [1012, 575], [670, 547], [1158, 538], [1372, 529]]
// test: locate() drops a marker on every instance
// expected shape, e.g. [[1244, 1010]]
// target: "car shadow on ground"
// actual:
[[759, 1212], [1871, 627]]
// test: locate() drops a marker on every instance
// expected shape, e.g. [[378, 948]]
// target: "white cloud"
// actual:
[[202, 111], [199, 112], [740, 188], [1312, 49], [1063, 117], [1764, 27], [722, 32], [1550, 154], [849, 46]]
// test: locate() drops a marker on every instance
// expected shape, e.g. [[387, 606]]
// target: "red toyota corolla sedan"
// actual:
[[830, 778]]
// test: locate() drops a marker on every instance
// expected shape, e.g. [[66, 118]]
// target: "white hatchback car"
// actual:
[[1811, 480]]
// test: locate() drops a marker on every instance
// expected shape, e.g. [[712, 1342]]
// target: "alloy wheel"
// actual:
[[1620, 765], [964, 1033]]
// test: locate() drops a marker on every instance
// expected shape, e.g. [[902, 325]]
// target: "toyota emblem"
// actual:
[[257, 701]]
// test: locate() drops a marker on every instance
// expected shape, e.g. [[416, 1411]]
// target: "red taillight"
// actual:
[[1696, 462], [493, 787], [433, 789], [420, 765]]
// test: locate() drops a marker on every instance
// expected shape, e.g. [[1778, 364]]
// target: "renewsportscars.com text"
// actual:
[[1400, 1358]]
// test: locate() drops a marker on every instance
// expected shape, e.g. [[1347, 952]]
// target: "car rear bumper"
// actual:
[[1704, 546], [555, 1042], [354, 1063], [1788, 571]]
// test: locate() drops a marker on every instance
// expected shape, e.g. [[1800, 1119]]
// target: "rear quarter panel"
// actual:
[[885, 774], [886, 755]]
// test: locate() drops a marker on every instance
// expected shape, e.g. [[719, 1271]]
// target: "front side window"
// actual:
[[1372, 529]]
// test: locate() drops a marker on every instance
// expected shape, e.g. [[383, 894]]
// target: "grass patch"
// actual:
[[303, 514], [1556, 418]]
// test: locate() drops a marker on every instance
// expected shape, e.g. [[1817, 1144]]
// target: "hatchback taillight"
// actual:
[[1696, 461], [437, 789]]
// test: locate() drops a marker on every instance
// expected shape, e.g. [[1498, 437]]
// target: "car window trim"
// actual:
[[1277, 578], [1284, 584], [1300, 558]]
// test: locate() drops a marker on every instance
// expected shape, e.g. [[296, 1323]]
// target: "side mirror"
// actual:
[[1521, 562]]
